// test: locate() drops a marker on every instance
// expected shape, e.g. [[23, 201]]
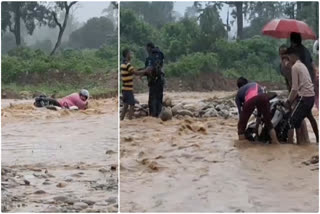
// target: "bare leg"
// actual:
[[304, 132], [290, 136], [124, 111], [131, 111], [314, 126], [273, 136]]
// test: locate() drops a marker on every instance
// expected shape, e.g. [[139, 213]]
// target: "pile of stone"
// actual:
[[206, 108], [224, 108]]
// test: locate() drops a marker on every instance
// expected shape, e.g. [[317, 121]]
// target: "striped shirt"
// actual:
[[127, 76]]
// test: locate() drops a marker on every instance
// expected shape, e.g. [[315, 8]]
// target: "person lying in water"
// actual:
[[251, 96], [76, 100]]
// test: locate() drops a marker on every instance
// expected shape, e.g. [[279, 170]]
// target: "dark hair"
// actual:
[[125, 52], [295, 38], [241, 82], [150, 45], [293, 51], [283, 46]]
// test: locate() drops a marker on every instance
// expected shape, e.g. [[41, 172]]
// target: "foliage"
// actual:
[[199, 42], [23, 61], [95, 33]]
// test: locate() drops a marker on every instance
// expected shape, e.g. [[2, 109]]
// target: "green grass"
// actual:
[[59, 91]]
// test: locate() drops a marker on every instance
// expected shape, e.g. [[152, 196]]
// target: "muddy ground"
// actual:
[[59, 161], [197, 165]]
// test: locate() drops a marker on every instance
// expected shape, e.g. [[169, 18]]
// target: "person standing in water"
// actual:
[[249, 97], [155, 79], [302, 92], [127, 73]]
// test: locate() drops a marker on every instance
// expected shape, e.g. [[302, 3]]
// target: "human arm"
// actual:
[[295, 85], [238, 103]]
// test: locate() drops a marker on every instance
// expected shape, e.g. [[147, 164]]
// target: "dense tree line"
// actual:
[[199, 41]]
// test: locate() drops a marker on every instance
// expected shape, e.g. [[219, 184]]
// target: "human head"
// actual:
[[295, 38], [149, 47], [282, 49], [84, 94], [127, 54], [293, 54], [241, 82]]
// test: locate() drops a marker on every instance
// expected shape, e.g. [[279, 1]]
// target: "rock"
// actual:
[[112, 200], [61, 185], [103, 170], [39, 192], [190, 107], [113, 167], [46, 183], [221, 107], [80, 205], [89, 202], [224, 113], [167, 101], [26, 182], [166, 114], [211, 113], [184, 112], [176, 108], [109, 152], [63, 199]]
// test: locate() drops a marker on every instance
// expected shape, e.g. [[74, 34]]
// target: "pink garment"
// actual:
[[251, 93], [73, 100]]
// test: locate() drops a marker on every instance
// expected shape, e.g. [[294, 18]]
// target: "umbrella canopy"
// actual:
[[281, 29]]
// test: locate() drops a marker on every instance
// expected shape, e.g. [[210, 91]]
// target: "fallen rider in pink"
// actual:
[[76, 99], [72, 101]]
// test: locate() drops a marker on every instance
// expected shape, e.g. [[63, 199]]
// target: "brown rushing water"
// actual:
[[66, 156], [197, 165]]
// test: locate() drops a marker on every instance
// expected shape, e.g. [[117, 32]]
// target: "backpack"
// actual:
[[157, 59]]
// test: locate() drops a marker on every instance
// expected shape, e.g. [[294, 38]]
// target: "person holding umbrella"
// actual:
[[296, 31]]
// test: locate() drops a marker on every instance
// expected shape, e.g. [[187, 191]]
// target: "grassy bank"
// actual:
[[28, 73]]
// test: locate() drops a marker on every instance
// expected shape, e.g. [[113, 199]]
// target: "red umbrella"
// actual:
[[281, 28]]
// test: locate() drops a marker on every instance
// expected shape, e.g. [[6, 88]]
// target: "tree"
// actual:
[[112, 12], [31, 13], [260, 13], [95, 33], [64, 6], [240, 10], [155, 13], [211, 25]]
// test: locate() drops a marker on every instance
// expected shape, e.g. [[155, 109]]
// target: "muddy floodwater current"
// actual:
[[59, 161], [197, 165]]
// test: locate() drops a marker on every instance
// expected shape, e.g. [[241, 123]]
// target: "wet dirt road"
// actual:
[[59, 161], [197, 165]]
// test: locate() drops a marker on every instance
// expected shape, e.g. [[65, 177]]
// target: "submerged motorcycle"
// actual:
[[256, 130]]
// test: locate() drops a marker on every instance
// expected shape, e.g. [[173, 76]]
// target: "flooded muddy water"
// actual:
[[197, 165], [59, 161]]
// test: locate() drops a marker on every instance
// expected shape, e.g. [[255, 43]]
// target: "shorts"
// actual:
[[301, 111], [261, 102], [128, 97]]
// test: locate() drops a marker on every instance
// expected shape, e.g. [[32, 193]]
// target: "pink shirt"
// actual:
[[72, 100]]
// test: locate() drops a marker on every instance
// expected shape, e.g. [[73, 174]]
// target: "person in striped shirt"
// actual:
[[127, 73]]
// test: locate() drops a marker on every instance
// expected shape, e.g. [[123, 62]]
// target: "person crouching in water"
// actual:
[[75, 100], [249, 97], [127, 73], [302, 91]]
